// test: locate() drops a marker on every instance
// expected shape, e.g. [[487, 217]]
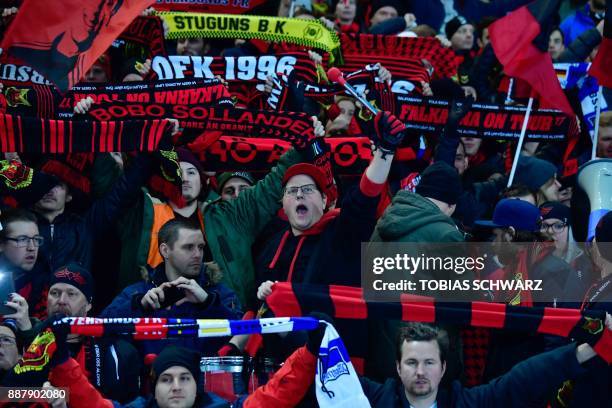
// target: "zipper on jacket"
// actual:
[[51, 230]]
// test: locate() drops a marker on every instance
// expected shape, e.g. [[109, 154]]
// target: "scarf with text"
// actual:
[[308, 33], [234, 69], [428, 115], [349, 155], [293, 127], [197, 92]]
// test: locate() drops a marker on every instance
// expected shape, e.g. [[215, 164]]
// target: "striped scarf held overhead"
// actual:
[[48, 136], [348, 303]]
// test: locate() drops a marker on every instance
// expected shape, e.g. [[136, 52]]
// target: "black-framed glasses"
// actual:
[[23, 240], [556, 227], [306, 189]]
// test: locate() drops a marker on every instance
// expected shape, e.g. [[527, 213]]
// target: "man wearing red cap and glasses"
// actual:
[[320, 246]]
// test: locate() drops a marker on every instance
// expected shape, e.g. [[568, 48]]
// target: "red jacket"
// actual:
[[81, 393], [288, 385]]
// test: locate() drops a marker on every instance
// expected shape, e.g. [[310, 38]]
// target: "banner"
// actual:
[[209, 6], [428, 115], [234, 69], [65, 40], [308, 33], [182, 92]]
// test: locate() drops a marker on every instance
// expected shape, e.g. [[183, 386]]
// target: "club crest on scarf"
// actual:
[[332, 362], [593, 326], [15, 175], [16, 96], [38, 355]]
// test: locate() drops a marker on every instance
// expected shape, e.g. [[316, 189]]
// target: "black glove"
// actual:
[[456, 112], [316, 336], [388, 132], [295, 102], [60, 328]]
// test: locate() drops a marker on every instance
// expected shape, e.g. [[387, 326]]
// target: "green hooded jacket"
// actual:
[[412, 218]]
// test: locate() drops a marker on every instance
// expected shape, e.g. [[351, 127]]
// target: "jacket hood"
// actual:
[[408, 213]]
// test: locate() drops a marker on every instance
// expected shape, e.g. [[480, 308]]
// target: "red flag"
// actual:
[[520, 42], [63, 38], [603, 58]]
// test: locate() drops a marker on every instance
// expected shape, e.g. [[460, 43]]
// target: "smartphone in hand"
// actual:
[[7, 286], [171, 296]]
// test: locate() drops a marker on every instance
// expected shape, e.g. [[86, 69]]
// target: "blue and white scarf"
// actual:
[[337, 384]]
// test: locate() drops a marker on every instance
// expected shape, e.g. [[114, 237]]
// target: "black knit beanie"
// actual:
[[177, 356], [454, 25], [441, 182], [398, 5]]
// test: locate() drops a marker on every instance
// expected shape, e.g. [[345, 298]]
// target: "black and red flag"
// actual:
[[63, 38], [603, 58], [520, 42]]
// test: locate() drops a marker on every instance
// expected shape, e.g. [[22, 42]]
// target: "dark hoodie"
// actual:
[[412, 218]]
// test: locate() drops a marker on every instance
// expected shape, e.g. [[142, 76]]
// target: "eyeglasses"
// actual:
[[23, 241], [7, 341], [306, 190], [556, 227]]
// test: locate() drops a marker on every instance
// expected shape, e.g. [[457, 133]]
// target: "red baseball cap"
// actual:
[[310, 170]]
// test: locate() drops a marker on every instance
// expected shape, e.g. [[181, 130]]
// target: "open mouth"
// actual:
[[301, 209]]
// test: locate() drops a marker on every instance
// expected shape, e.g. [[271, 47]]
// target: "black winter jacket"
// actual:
[[70, 237], [529, 382]]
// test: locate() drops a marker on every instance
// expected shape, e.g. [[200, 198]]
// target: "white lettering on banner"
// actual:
[[21, 73], [402, 87], [244, 68]]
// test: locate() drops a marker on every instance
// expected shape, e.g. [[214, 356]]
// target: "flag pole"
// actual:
[[519, 147], [291, 9], [596, 131]]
